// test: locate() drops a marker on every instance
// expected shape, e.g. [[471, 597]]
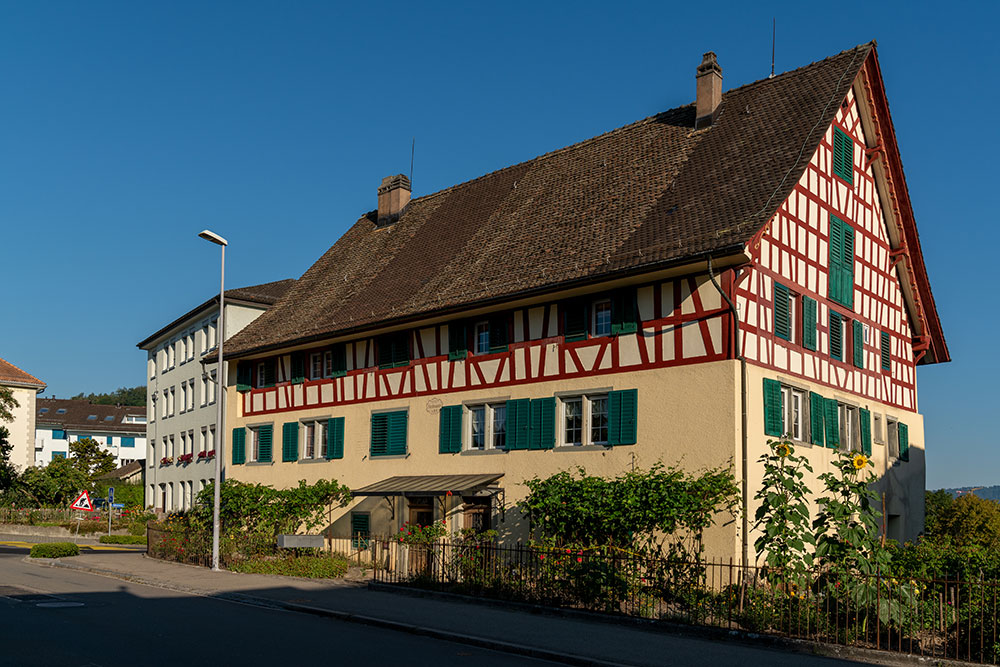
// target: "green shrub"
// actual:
[[123, 539], [317, 567], [54, 550]]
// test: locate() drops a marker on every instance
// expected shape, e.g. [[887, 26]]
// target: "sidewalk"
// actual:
[[564, 639]]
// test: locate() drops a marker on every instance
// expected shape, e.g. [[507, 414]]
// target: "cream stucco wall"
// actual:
[[22, 428], [687, 416]]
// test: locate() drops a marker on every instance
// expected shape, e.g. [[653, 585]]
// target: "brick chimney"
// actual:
[[393, 196], [709, 96]]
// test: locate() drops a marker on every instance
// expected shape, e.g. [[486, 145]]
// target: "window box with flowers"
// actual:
[[412, 533], [185, 458], [166, 460]]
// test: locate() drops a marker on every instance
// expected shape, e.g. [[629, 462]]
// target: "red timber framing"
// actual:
[[794, 249], [681, 321]]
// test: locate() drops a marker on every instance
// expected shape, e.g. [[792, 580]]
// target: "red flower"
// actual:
[[579, 560]]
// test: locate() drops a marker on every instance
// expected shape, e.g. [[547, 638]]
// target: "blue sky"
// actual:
[[128, 127]]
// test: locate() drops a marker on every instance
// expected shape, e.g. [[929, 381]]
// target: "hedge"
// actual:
[[54, 550], [123, 539]]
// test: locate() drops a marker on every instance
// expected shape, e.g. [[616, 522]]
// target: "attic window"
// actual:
[[43, 411], [109, 418], [61, 411], [843, 155], [91, 417]]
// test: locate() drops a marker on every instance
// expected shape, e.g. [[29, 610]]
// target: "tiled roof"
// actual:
[[266, 294], [77, 413], [125, 471], [642, 197], [9, 373]]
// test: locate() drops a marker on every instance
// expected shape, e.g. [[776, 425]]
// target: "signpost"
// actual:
[[111, 500]]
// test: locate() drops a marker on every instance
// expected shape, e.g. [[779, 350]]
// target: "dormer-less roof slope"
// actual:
[[77, 416], [265, 294], [12, 376], [642, 197]]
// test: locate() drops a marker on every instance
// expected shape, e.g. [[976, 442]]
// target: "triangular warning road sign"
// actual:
[[82, 502]]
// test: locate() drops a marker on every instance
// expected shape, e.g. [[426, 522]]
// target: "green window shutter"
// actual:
[[858, 339], [782, 317], [624, 312], [809, 323], [884, 351], [265, 435], [574, 321], [397, 433], [836, 263], [401, 349], [847, 268], [458, 340], [450, 435], [866, 431], [339, 353], [843, 155], [498, 334], [244, 376], [380, 435], [836, 336], [832, 423], [360, 530], [298, 367], [239, 445], [335, 438], [903, 432], [772, 408], [518, 421], [623, 408], [269, 372], [290, 442], [816, 407], [542, 431]]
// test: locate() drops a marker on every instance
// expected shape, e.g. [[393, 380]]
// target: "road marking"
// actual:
[[93, 547]]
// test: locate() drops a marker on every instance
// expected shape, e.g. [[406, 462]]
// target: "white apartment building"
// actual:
[[21, 431], [182, 377], [119, 429]]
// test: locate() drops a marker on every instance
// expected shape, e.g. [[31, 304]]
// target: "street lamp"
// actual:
[[220, 396]]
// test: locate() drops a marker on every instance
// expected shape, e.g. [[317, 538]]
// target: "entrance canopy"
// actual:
[[428, 485]]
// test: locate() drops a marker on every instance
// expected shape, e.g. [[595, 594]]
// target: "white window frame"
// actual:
[[253, 443], [203, 442], [328, 364], [848, 423], [587, 403], [173, 447], [489, 425], [316, 366], [213, 384], [793, 413], [877, 428], [211, 438], [261, 374], [204, 390], [892, 436], [594, 330], [479, 328], [315, 430], [184, 399]]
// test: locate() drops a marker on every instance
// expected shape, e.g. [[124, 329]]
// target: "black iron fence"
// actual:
[[943, 618]]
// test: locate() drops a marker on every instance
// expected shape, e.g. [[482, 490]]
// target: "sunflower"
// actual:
[[860, 461], [783, 450]]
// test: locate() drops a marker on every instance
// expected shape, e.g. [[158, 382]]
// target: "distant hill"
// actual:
[[987, 492]]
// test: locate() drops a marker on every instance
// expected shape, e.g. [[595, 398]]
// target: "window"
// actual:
[[793, 412], [204, 340], [785, 411], [166, 402], [394, 350], [389, 434], [315, 365], [203, 440], [892, 432], [877, 429], [184, 443], [849, 430], [488, 426], [61, 411], [171, 355], [843, 155], [190, 346], [212, 332], [885, 353], [290, 442], [335, 361], [585, 420], [360, 529], [211, 438], [458, 344], [173, 401], [858, 344], [42, 411], [481, 342], [258, 443], [172, 451], [58, 455], [600, 319], [315, 439], [836, 336], [574, 321], [841, 265], [58, 434], [184, 396], [109, 418]]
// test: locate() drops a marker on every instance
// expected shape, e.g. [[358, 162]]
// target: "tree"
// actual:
[[972, 521], [937, 504], [7, 404], [8, 473], [55, 484], [123, 396], [88, 457]]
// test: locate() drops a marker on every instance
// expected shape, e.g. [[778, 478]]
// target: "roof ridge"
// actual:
[[628, 126], [18, 368]]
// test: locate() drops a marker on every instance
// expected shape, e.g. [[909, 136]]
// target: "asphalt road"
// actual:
[[53, 616]]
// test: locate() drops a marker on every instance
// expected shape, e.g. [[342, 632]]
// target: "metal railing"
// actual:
[[942, 618]]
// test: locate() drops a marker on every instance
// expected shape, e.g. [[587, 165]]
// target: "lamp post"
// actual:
[[220, 397]]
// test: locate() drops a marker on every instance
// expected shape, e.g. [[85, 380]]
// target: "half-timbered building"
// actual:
[[682, 289]]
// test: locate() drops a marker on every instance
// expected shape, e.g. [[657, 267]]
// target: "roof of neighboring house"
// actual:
[[12, 375], [265, 294], [76, 416], [643, 197], [126, 471]]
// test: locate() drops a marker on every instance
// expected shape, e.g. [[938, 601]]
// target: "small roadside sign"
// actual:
[[111, 495], [117, 506], [83, 503]]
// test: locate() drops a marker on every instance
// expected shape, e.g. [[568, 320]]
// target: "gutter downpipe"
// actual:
[[745, 536]]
